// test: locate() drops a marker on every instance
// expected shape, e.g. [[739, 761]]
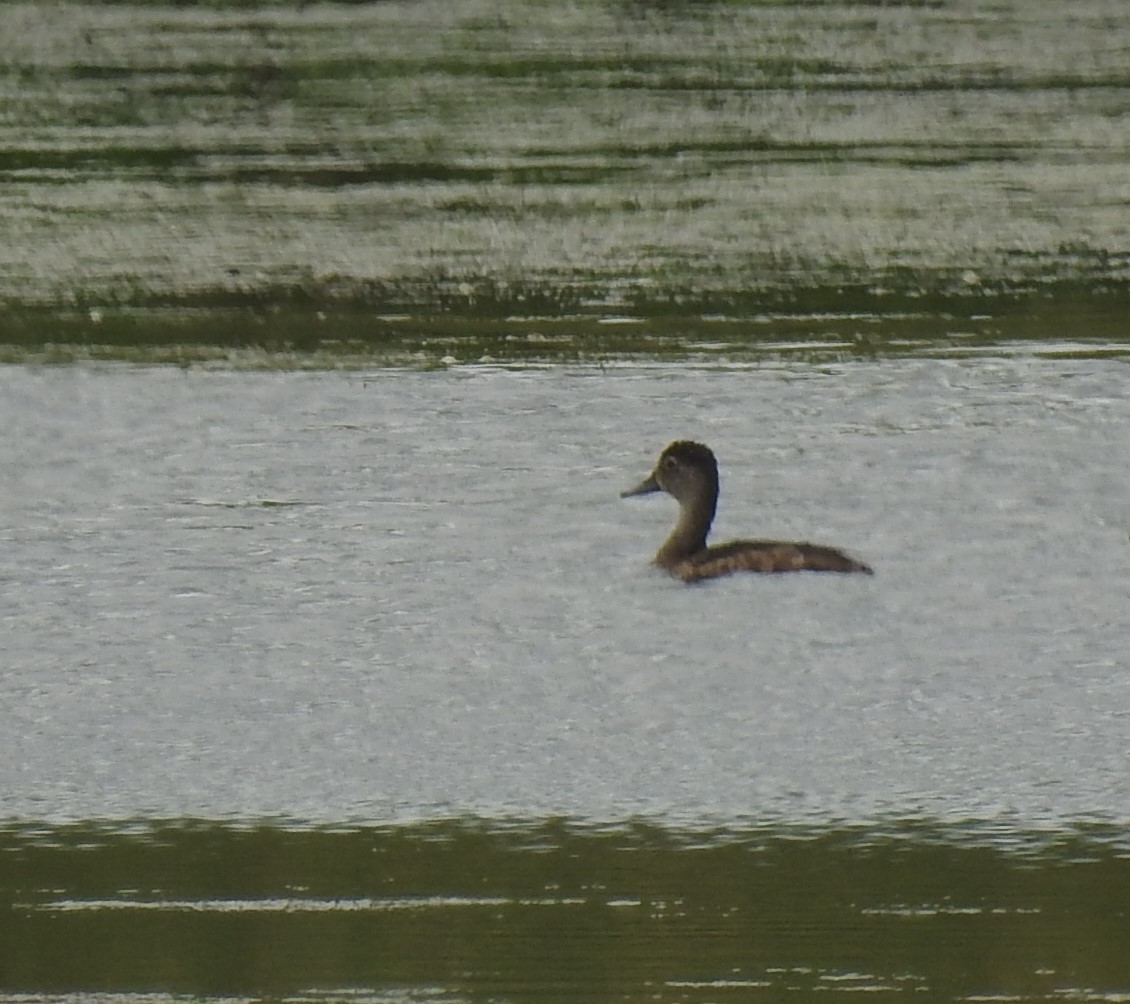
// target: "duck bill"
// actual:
[[645, 487]]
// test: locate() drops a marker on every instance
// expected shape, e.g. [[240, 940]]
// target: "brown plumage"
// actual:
[[688, 472]]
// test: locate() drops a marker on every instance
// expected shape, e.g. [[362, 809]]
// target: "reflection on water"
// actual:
[[410, 612], [330, 596], [414, 598], [378, 164], [551, 910]]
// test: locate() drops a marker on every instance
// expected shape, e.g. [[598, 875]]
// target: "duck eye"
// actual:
[[670, 462]]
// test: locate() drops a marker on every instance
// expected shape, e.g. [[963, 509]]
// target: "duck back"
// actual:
[[766, 556]]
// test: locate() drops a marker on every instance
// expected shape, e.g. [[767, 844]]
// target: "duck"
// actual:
[[688, 471]]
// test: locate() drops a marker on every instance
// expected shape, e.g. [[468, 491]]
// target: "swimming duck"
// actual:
[[689, 472]]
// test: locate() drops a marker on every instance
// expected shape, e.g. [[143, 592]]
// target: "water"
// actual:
[[458, 911], [358, 686], [332, 597], [350, 172], [353, 607]]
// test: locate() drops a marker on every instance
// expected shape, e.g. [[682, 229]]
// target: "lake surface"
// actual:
[[401, 593], [390, 178], [389, 646], [333, 667]]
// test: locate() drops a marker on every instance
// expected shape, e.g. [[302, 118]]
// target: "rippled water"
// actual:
[[359, 686], [462, 911], [350, 171], [360, 605], [400, 593]]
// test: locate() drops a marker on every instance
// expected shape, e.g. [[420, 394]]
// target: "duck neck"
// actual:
[[689, 535]]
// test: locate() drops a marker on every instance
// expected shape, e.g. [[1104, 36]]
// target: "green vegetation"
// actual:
[[475, 908], [307, 185], [300, 327]]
